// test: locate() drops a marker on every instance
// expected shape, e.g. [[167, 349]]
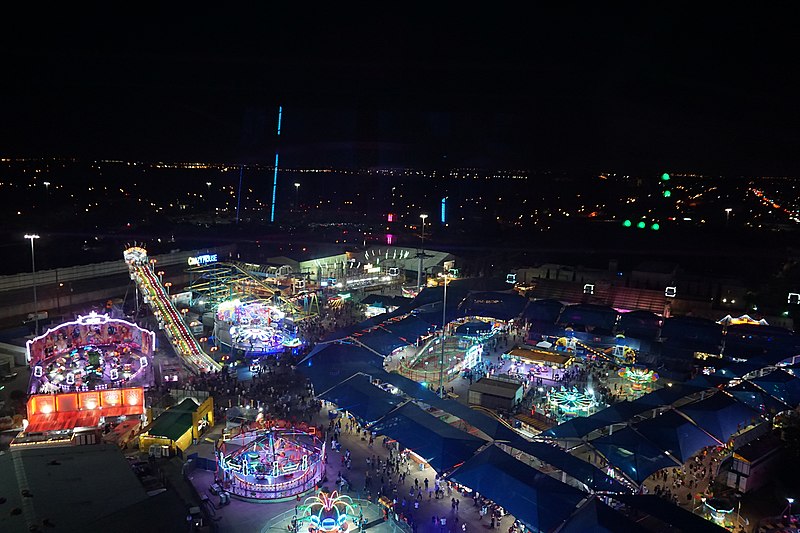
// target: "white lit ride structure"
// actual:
[[571, 402], [182, 340], [272, 463], [253, 326]]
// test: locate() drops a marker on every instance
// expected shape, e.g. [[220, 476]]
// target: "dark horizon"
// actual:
[[655, 90]]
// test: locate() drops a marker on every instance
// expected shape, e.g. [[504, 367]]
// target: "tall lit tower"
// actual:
[[275, 176]]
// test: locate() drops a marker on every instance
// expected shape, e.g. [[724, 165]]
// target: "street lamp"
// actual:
[[296, 195], [728, 214], [46, 186], [444, 324], [422, 252], [790, 501], [32, 237]]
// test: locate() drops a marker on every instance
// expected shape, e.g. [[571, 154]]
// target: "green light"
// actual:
[[667, 193], [655, 227], [665, 177], [641, 225], [627, 223]]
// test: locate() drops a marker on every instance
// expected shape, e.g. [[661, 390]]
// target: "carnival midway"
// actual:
[[456, 417]]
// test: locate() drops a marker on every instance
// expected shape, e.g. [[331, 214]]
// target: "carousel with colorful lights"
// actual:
[[255, 327], [273, 462]]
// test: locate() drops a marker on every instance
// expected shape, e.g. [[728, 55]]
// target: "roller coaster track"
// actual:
[[240, 283], [182, 340]]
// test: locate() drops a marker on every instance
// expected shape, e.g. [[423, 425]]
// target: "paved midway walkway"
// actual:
[[252, 517]]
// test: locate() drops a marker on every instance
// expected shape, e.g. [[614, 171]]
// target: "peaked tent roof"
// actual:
[[720, 415], [492, 427], [665, 511], [473, 327], [581, 426], [502, 305], [544, 309], [536, 499], [673, 433], [175, 421], [667, 395], [586, 473], [755, 397], [601, 316], [781, 385], [360, 397], [596, 517], [439, 443], [329, 364], [635, 456]]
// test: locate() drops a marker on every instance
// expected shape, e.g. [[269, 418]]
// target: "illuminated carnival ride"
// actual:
[[154, 294], [271, 463], [571, 402], [639, 377], [94, 352], [328, 513], [254, 327]]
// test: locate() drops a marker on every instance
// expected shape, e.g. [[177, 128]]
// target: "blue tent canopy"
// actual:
[[492, 427], [381, 340], [781, 385], [600, 316], [411, 388], [360, 397], [474, 328], [579, 427], [329, 364], [720, 415], [738, 370], [756, 398], [633, 455], [534, 498], [545, 310], [501, 305], [667, 395], [440, 444], [673, 433], [709, 381], [596, 517], [575, 428], [639, 323], [590, 475], [665, 511]]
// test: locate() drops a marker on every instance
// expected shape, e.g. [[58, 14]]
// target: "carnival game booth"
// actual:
[[538, 363], [94, 352], [270, 463], [178, 427], [78, 417]]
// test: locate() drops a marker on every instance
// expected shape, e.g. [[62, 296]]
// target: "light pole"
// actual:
[[297, 196], [788, 507], [444, 324], [422, 252], [32, 237], [728, 215]]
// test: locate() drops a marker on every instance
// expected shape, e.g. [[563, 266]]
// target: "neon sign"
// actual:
[[202, 259]]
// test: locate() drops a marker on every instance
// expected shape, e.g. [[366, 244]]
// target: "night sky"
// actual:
[[668, 88]]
